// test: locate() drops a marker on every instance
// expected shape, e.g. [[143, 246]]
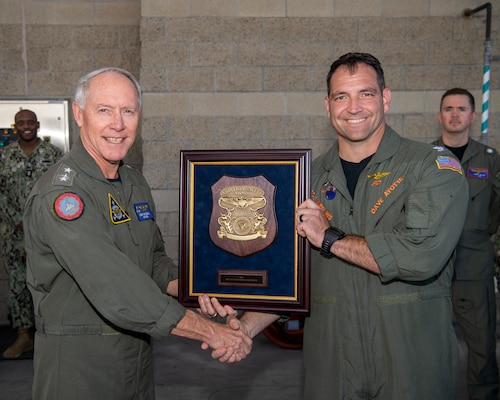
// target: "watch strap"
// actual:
[[332, 234]]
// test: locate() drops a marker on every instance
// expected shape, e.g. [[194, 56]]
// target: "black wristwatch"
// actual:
[[332, 234]]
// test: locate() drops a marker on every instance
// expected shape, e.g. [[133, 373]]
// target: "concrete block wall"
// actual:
[[223, 74], [228, 74]]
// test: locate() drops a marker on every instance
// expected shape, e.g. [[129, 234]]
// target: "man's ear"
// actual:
[[77, 113], [473, 117]]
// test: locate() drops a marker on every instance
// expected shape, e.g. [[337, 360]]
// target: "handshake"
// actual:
[[230, 342]]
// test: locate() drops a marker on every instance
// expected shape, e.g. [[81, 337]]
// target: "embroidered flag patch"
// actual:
[[68, 206], [143, 211], [480, 173], [447, 162], [116, 213]]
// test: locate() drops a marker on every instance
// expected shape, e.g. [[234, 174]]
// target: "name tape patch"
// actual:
[[479, 173], [143, 211]]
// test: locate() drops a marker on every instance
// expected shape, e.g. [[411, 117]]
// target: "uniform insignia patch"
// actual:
[[447, 162], [329, 190], [377, 177], [116, 213], [143, 211], [480, 173], [68, 206]]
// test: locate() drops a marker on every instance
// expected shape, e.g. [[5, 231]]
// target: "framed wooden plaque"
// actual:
[[238, 240]]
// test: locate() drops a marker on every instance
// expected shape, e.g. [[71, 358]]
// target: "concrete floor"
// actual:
[[183, 371]]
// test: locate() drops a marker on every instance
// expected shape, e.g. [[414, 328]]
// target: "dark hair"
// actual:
[[459, 91], [25, 110], [351, 61]]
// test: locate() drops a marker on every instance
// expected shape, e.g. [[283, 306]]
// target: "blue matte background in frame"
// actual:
[[277, 259]]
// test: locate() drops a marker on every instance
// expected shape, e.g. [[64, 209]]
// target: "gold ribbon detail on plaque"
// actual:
[[243, 220]]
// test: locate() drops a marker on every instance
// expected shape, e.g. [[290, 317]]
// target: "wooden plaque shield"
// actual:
[[243, 219]]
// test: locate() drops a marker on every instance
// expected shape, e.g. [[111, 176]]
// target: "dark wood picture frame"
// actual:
[[238, 239]]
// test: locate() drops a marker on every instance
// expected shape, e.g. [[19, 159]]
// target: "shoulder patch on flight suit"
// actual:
[[64, 175], [447, 162], [68, 206], [116, 212]]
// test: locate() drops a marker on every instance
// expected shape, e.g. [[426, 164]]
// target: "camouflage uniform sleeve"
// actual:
[[3, 185]]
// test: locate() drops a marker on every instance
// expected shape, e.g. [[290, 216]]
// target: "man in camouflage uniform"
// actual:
[[21, 164]]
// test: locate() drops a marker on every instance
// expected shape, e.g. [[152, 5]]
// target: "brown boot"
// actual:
[[23, 343]]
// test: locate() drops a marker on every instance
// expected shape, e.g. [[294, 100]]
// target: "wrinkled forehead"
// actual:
[[113, 86]]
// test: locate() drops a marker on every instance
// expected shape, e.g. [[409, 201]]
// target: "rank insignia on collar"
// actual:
[[68, 206], [64, 175], [329, 190], [143, 211], [116, 212]]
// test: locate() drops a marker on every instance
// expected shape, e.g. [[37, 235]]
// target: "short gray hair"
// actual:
[[82, 88]]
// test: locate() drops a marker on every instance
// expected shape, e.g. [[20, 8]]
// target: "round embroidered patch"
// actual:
[[68, 206]]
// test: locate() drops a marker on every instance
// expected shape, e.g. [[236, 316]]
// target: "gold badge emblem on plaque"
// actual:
[[243, 220]]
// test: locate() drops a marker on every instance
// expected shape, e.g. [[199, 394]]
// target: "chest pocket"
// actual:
[[478, 186]]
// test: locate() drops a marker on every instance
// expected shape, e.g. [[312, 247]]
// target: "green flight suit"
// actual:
[[389, 336], [98, 272], [474, 300]]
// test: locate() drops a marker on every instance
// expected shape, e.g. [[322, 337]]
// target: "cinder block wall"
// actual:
[[222, 74], [228, 74]]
